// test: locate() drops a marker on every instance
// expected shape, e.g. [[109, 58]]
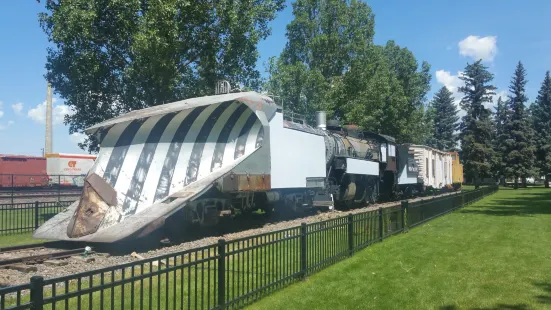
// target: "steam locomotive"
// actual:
[[198, 160]]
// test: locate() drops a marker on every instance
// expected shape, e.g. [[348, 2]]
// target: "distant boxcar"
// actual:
[[22, 171], [68, 169]]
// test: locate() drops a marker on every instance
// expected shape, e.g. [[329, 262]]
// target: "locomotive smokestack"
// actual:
[[321, 120]]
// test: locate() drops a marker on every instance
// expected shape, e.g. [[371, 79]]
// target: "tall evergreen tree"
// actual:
[[444, 117], [541, 116], [518, 148], [428, 120], [476, 126], [501, 117]]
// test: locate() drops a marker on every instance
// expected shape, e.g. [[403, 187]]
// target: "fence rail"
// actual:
[[229, 274], [26, 217]]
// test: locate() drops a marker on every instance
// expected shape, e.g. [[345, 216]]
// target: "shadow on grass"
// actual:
[[544, 298], [525, 205], [497, 307]]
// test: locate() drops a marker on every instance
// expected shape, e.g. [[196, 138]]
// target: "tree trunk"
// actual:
[[516, 182], [546, 182], [524, 182]]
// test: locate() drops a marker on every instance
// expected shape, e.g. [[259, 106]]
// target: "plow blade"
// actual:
[[153, 161]]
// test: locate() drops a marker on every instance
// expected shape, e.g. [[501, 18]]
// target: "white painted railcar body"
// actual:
[[435, 166]]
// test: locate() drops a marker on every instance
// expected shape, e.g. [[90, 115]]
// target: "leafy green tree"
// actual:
[[371, 96], [113, 56], [518, 149], [541, 116], [323, 39], [445, 120], [415, 82], [331, 63], [476, 126]]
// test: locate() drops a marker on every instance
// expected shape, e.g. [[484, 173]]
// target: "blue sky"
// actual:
[[448, 34]]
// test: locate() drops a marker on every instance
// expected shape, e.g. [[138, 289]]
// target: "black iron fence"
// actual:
[[229, 274], [26, 217]]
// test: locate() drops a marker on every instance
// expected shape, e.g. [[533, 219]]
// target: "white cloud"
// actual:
[[1, 114], [476, 47], [10, 123], [38, 114], [77, 138], [2, 127], [18, 107], [453, 82]]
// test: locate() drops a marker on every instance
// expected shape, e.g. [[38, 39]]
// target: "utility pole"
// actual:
[[48, 146]]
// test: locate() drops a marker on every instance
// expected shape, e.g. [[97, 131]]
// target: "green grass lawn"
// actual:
[[495, 254], [17, 224], [18, 239]]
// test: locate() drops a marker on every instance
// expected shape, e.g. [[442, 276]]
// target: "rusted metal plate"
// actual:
[[89, 214], [103, 189], [242, 182]]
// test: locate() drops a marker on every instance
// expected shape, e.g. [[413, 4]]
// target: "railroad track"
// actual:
[[36, 259], [23, 257]]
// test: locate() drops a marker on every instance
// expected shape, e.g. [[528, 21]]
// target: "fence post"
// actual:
[[303, 248], [405, 204], [350, 234], [37, 292], [12, 187], [221, 273], [58, 188], [381, 223], [36, 215]]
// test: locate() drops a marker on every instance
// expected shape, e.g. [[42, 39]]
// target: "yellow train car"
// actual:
[[457, 169]]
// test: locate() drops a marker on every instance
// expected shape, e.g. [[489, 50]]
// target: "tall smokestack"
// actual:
[[48, 146]]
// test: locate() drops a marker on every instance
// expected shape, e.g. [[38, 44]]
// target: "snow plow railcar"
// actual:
[[198, 160]]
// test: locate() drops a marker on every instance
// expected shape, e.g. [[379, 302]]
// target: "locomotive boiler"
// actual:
[[198, 160]]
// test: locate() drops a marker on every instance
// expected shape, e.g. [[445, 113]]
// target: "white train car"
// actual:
[[434, 166], [68, 169]]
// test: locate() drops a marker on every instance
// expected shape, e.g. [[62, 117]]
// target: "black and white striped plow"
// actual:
[[152, 162]]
